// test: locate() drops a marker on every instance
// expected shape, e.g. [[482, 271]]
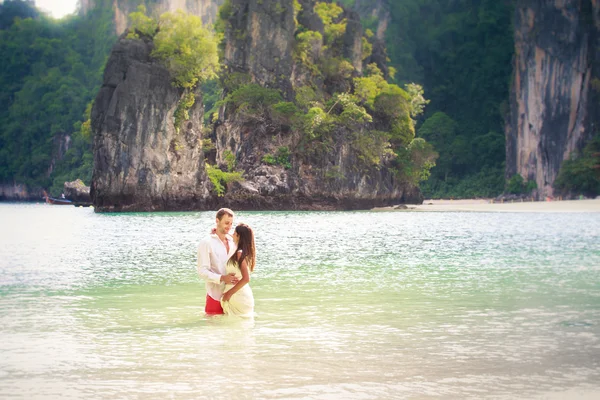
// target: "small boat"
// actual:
[[55, 201]]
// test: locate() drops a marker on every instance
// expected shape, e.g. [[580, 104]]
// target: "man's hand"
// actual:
[[229, 279]]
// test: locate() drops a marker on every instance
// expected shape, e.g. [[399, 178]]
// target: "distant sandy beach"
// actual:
[[488, 205]]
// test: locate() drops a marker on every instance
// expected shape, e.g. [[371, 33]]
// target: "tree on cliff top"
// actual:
[[181, 43], [187, 48]]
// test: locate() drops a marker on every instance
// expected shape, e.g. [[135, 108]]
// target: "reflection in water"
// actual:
[[349, 305]]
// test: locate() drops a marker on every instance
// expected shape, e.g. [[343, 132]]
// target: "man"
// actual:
[[213, 253]]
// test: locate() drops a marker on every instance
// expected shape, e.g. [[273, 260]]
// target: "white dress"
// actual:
[[242, 302]]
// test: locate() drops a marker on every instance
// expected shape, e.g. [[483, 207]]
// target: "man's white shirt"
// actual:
[[212, 261]]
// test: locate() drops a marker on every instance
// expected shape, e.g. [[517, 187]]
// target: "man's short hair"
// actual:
[[224, 211]]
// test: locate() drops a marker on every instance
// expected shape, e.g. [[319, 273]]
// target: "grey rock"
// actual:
[[141, 161], [77, 191], [260, 42], [244, 187], [353, 40]]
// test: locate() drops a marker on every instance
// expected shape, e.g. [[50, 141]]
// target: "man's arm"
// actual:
[[204, 264]]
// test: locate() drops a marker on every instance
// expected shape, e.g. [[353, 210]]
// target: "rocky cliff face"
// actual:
[[330, 182], [20, 192], [141, 161], [553, 107], [260, 43], [262, 40]]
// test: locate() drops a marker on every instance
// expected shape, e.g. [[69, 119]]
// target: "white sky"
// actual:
[[57, 8]]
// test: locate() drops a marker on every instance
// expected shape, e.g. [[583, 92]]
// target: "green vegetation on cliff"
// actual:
[[333, 104], [50, 72], [188, 50], [220, 178], [581, 173]]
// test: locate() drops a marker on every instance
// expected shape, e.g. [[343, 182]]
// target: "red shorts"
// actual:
[[213, 306]]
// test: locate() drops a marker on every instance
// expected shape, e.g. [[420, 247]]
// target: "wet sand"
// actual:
[[488, 205]]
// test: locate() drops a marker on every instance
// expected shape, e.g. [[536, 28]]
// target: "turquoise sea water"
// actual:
[[359, 305]]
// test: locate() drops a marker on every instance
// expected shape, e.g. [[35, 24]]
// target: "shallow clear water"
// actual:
[[360, 305]]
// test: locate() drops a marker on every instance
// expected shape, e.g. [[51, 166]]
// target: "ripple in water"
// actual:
[[349, 305]]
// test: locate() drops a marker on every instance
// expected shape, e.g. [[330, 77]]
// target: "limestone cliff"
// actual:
[[141, 162], [554, 110], [259, 44], [20, 192], [260, 41]]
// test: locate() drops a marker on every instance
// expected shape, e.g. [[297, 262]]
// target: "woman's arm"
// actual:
[[245, 279]]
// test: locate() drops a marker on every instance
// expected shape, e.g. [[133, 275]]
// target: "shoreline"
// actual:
[[465, 205], [488, 205]]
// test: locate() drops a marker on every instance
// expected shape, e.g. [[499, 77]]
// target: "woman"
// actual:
[[238, 299]]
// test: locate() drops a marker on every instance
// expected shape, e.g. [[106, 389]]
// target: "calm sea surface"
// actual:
[[356, 305]]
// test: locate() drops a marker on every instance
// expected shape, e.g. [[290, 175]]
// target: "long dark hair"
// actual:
[[246, 245]]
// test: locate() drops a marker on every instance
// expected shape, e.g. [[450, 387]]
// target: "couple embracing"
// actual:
[[225, 263]]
